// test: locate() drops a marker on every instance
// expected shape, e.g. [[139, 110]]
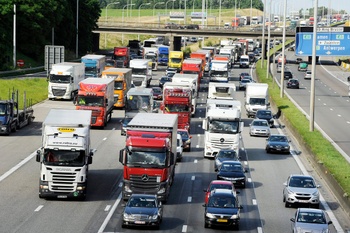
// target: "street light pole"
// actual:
[[313, 71], [107, 21], [143, 4], [77, 32], [127, 5], [154, 7], [166, 5], [283, 48], [219, 14]]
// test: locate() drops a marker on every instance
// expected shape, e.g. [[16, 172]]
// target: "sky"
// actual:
[[305, 4]]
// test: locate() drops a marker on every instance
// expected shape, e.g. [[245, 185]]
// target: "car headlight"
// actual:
[[209, 215], [154, 217], [235, 216], [315, 193], [161, 190], [188, 141], [127, 216]]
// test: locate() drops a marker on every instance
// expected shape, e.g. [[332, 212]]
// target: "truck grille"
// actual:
[[137, 83], [63, 182], [216, 143], [120, 64], [137, 183], [58, 92]]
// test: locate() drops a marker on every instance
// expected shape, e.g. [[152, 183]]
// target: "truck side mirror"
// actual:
[[38, 155], [122, 156], [89, 160], [91, 153], [204, 125]]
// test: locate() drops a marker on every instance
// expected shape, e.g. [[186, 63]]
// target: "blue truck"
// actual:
[[94, 65], [163, 55]]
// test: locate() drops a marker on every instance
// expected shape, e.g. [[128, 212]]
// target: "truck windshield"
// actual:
[[219, 73], [60, 78], [63, 157], [149, 157], [161, 55], [257, 101], [225, 127], [176, 108], [176, 60], [140, 103], [3, 108], [190, 72], [139, 71], [90, 101], [120, 58], [90, 71], [110, 63], [118, 85]]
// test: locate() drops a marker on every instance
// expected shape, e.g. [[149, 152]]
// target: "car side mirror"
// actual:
[[240, 207], [292, 219], [204, 205], [285, 183], [204, 190], [330, 222]]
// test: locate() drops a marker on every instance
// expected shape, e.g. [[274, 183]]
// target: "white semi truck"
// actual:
[[141, 72], [219, 71], [65, 154], [64, 80], [139, 100], [221, 91], [256, 98], [222, 126]]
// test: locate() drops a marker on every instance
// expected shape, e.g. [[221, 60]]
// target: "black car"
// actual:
[[232, 171], [225, 155], [298, 60], [157, 93], [163, 80], [243, 75], [266, 115], [124, 123], [293, 83], [186, 139], [277, 143], [223, 209], [142, 210], [192, 26], [288, 74]]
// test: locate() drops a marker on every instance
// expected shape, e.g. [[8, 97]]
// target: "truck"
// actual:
[[64, 80], [150, 42], [237, 22], [208, 57], [122, 57], [149, 156], [230, 52], [175, 59], [97, 95], [122, 83], [244, 61], [141, 72], [135, 47], [94, 65], [222, 126], [151, 53], [163, 55], [311, 21], [139, 99], [193, 66], [177, 99], [11, 117], [65, 154], [202, 56], [256, 98], [218, 71], [221, 90]]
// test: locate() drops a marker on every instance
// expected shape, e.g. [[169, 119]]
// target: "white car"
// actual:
[[259, 127], [179, 147], [307, 74]]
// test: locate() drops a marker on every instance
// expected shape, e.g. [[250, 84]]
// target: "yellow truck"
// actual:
[[122, 83], [175, 59]]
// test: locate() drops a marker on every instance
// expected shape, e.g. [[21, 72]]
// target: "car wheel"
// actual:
[[236, 227], [267, 150], [189, 148], [315, 206], [286, 204], [206, 225]]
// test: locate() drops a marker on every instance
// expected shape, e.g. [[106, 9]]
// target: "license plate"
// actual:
[[302, 201], [61, 196], [222, 220], [140, 222], [233, 181]]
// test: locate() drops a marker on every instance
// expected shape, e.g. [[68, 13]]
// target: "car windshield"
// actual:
[[226, 154], [310, 217], [222, 202], [263, 114], [260, 123], [142, 202], [245, 81], [183, 134], [227, 167], [277, 138], [301, 182], [220, 186]]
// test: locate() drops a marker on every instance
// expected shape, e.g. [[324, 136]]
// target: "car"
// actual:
[[192, 26], [193, 39], [223, 209], [157, 93], [301, 189], [266, 115], [179, 147], [164, 79], [171, 25], [242, 75], [259, 127], [293, 83], [232, 171], [243, 83], [124, 123], [171, 74], [225, 155], [142, 210], [302, 66], [279, 67], [288, 74], [298, 60], [218, 184], [186, 139], [170, 70], [310, 220], [308, 74], [277, 143]]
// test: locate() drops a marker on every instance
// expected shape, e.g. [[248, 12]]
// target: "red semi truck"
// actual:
[[122, 57], [193, 66], [150, 155], [177, 99], [97, 94]]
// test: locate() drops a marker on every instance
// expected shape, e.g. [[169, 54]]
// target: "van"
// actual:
[[227, 26], [244, 61]]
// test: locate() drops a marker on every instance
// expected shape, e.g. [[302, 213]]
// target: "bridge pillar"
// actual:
[[171, 42], [177, 43]]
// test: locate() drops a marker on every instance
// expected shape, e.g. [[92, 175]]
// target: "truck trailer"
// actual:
[[149, 156], [64, 80], [97, 95], [221, 91], [65, 154]]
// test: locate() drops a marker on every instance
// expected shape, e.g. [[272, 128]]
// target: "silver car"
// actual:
[[259, 127], [301, 189], [310, 220]]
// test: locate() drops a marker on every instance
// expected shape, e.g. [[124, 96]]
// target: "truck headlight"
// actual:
[[161, 190], [127, 188]]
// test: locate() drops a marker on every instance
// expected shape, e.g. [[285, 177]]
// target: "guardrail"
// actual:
[[4, 74]]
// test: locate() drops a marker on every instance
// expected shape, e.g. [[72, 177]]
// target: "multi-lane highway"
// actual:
[[263, 209]]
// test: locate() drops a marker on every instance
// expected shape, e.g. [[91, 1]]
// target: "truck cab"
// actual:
[[141, 72], [138, 100]]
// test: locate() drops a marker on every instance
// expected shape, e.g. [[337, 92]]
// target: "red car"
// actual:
[[218, 184]]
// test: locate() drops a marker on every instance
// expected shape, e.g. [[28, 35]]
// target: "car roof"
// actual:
[[274, 135], [221, 182], [312, 210], [257, 119], [232, 162]]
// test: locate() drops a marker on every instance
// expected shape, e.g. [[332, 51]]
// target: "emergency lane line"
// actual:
[[20, 164], [110, 213], [184, 228], [38, 208]]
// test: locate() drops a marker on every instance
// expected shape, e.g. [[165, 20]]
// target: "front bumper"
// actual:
[[221, 221]]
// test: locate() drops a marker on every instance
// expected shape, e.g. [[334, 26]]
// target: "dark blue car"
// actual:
[[233, 171]]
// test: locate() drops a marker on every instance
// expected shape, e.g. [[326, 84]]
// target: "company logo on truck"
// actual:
[[66, 130]]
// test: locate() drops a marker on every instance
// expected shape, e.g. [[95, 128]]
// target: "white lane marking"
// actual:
[[246, 163], [260, 230], [254, 202], [324, 104], [184, 228], [198, 135], [319, 99], [109, 215], [39, 208], [94, 150], [197, 146], [107, 208], [331, 109], [348, 122], [189, 199], [104, 139], [193, 178], [339, 115], [20, 164], [195, 161]]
